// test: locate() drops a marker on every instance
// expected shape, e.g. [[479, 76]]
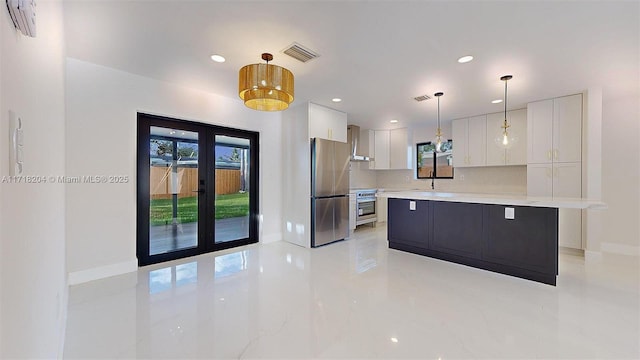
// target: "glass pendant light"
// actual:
[[439, 139], [505, 138]]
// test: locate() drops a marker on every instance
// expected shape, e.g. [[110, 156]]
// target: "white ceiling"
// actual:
[[376, 56]]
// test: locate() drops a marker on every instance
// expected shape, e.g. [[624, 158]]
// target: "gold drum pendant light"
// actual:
[[265, 87], [437, 141], [505, 138]]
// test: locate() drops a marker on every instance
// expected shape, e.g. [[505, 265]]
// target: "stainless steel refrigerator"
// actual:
[[329, 191]]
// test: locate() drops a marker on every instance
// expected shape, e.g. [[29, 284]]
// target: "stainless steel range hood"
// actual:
[[353, 138]]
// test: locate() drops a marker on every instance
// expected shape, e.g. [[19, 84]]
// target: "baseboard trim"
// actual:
[[620, 249], [83, 276], [270, 238]]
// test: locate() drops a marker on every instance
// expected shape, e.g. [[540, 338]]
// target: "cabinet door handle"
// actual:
[[549, 154], [555, 154]]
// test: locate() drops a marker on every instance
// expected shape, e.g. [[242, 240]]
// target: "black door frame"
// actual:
[[206, 181]]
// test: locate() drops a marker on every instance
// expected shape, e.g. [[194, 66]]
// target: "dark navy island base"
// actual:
[[479, 235]]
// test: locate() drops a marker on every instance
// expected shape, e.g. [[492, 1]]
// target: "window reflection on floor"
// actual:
[[162, 279], [230, 264], [186, 273]]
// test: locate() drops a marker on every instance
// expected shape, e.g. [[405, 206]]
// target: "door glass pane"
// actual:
[[232, 188], [173, 180]]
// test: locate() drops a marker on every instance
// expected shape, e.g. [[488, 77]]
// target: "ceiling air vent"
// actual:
[[422, 98], [299, 52]]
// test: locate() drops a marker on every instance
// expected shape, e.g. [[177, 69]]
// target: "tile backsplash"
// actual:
[[510, 180], [361, 177]]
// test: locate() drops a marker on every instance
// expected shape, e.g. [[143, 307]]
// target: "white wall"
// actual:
[[32, 226], [102, 107], [620, 171]]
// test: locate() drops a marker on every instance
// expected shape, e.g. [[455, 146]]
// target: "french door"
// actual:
[[197, 188]]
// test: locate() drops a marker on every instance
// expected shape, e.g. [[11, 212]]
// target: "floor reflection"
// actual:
[[226, 265], [162, 279], [351, 299]]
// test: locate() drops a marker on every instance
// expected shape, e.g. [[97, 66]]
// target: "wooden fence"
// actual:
[[227, 182]]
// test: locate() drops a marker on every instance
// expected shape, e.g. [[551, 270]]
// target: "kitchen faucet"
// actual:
[[433, 179]]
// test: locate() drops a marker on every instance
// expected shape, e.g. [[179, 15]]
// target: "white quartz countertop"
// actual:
[[515, 200]]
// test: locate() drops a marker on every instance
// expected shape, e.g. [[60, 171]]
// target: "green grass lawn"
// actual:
[[227, 206]]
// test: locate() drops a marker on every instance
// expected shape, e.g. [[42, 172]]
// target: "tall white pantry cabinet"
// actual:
[[554, 158]]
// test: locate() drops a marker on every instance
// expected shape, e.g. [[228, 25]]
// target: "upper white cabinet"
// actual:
[[554, 130], [392, 149], [567, 128], [517, 154], [469, 141], [400, 149], [380, 150], [326, 123]]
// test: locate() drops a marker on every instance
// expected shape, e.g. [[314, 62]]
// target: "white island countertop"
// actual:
[[497, 199]]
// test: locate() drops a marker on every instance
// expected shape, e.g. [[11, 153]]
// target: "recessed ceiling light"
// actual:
[[465, 59], [496, 101], [218, 58], [336, 99], [394, 340], [393, 121]]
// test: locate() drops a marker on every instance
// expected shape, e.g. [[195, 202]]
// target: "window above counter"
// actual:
[[431, 164]]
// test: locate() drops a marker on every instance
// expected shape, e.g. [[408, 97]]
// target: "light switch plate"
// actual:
[[509, 213], [412, 205]]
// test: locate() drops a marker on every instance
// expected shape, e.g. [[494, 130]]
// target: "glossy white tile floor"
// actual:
[[354, 299]]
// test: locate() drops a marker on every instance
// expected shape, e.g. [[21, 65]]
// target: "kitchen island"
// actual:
[[512, 235]]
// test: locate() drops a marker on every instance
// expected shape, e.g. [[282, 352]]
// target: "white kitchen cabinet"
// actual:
[[469, 141], [539, 132], [559, 180], [554, 130], [380, 150], [517, 154], [570, 228], [352, 213], [381, 210], [540, 180], [326, 123], [567, 128], [554, 154], [400, 149], [554, 180], [392, 150], [567, 180]]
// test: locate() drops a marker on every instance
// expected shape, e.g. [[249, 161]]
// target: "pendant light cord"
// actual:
[[505, 103], [438, 112]]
